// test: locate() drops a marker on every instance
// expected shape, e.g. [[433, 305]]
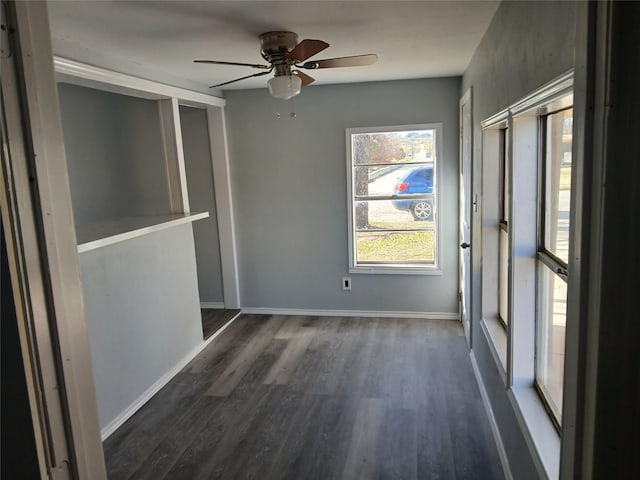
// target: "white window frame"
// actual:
[[536, 421], [396, 268], [547, 260], [503, 227], [518, 343], [493, 327]]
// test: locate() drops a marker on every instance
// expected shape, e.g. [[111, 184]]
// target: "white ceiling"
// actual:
[[159, 39]]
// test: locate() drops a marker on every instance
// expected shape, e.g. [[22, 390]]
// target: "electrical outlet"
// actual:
[[346, 283]]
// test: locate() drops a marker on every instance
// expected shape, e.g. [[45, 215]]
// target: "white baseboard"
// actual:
[[161, 382], [350, 313], [502, 453], [216, 305]]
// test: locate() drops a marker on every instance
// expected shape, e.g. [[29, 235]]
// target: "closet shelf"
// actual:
[[101, 234]]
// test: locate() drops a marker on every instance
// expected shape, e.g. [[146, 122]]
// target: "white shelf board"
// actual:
[[101, 234]]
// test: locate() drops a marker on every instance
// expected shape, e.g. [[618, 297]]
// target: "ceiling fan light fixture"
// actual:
[[285, 86]]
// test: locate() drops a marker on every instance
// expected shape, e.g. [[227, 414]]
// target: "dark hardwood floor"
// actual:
[[213, 319], [277, 397]]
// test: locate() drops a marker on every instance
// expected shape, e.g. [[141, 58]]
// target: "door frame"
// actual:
[[466, 209], [42, 254]]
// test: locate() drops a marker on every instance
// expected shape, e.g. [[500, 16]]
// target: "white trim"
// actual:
[[593, 81], [171, 127], [351, 241], [216, 123], [396, 269], [79, 73], [502, 453], [41, 251], [182, 169], [540, 435], [350, 313], [467, 97], [212, 305], [499, 120], [496, 337], [390, 268], [466, 193], [117, 422], [107, 233], [557, 87], [523, 245]]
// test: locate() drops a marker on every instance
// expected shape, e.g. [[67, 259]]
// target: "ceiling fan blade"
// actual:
[[216, 62], [355, 61], [306, 79], [306, 49], [241, 78]]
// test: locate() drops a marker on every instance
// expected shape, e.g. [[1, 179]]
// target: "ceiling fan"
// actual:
[[286, 56]]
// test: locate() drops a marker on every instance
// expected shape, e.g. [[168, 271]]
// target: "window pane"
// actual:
[[417, 247], [393, 147], [388, 180], [412, 214], [558, 183], [503, 276], [504, 180], [552, 314]]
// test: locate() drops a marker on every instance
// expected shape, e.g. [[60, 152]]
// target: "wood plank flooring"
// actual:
[[213, 319], [276, 397]]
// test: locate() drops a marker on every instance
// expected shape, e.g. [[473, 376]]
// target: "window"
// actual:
[[553, 256], [526, 196], [393, 198], [495, 213], [503, 234]]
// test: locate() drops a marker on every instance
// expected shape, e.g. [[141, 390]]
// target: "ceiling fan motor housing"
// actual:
[[273, 48]]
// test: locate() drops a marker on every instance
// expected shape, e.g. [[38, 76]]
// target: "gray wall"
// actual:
[[289, 186], [113, 145], [526, 45], [197, 157], [142, 313]]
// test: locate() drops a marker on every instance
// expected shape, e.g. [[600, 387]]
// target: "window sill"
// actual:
[[497, 339], [395, 270], [541, 436]]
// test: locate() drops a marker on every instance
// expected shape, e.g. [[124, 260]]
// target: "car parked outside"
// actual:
[[418, 181]]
